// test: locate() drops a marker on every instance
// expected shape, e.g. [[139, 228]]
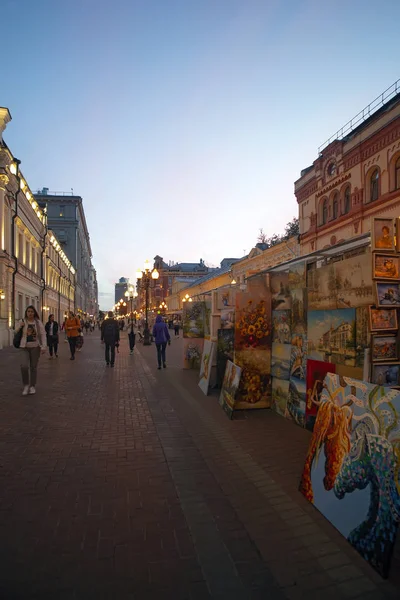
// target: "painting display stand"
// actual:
[[193, 318]]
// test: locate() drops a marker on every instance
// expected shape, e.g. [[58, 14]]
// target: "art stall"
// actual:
[[345, 353], [223, 328], [193, 320]]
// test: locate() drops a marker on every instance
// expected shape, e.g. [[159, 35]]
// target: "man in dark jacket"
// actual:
[[161, 337], [110, 337]]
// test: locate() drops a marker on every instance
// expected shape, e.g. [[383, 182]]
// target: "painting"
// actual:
[[383, 234], [351, 471], [230, 387], [296, 403], [193, 320], [316, 371], [384, 348], [225, 350], [297, 276], [388, 294], [206, 364], [281, 326], [382, 319], [299, 311], [385, 374], [192, 352], [298, 357], [255, 382], [280, 362], [332, 336], [386, 266], [228, 318], [353, 281], [207, 317], [362, 334], [225, 298], [321, 285], [253, 325], [280, 393], [280, 292]]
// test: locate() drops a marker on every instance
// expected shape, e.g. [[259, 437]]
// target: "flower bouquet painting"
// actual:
[[253, 327], [193, 320], [193, 350]]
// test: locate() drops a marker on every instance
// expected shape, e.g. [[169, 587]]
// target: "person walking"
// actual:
[[132, 335], [73, 329], [51, 328], [110, 337], [32, 344], [176, 327], [161, 337]]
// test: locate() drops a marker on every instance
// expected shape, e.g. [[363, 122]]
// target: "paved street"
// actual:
[[130, 483]]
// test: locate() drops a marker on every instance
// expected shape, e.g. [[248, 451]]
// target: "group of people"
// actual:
[[34, 337]]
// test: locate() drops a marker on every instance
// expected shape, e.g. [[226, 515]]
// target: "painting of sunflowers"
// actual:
[[253, 345]]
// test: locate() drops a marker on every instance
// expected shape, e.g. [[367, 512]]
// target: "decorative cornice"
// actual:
[[332, 185]]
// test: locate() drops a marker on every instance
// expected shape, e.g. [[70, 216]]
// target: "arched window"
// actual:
[[335, 205], [346, 200], [397, 174], [374, 186], [324, 215]]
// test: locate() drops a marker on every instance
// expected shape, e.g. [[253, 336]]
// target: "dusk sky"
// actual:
[[183, 124]]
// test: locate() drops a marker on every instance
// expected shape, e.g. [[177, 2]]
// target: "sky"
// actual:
[[183, 124]]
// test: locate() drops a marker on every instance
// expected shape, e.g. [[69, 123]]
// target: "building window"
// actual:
[[332, 169], [335, 205], [27, 254], [62, 211], [397, 174], [324, 212], [20, 247], [346, 200], [374, 186]]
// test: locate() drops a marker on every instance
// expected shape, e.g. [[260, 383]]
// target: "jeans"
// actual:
[[72, 344], [132, 340], [29, 361], [161, 353], [112, 348], [52, 343], [176, 329]]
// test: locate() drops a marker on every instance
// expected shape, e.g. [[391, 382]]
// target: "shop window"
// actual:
[[374, 186], [397, 174], [346, 200]]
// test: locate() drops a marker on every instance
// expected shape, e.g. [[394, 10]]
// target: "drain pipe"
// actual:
[[14, 256], [42, 263]]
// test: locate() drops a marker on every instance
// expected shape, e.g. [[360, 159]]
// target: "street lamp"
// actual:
[[130, 294], [163, 306], [187, 298], [145, 276]]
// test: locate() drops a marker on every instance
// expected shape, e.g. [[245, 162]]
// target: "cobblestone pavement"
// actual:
[[129, 483]]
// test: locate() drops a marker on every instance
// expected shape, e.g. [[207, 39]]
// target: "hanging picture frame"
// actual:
[[388, 294], [386, 374], [386, 266], [382, 319], [383, 233], [384, 348]]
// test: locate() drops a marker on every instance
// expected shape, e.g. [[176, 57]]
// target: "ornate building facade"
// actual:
[[355, 177]]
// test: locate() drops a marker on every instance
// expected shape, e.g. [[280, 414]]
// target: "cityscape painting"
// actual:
[[332, 336]]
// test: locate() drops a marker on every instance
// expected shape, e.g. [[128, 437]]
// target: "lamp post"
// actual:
[[130, 294], [163, 307], [187, 298], [145, 276]]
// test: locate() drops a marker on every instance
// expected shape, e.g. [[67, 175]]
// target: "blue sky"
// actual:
[[183, 124]]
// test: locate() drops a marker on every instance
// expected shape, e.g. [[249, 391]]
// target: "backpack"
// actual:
[[109, 332]]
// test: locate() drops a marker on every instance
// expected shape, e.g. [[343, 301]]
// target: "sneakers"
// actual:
[[25, 391], [159, 367], [32, 390], [50, 358], [72, 358], [131, 352], [164, 365]]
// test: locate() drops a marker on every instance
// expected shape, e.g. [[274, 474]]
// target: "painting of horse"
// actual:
[[352, 467]]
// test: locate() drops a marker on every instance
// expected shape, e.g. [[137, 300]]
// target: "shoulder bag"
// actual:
[[18, 337]]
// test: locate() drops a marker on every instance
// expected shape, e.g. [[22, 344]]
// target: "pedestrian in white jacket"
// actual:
[[33, 343]]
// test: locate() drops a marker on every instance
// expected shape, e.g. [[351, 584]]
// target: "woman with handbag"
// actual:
[[31, 339], [51, 328], [73, 329]]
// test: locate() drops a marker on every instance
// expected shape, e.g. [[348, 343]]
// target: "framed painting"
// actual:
[[385, 374], [384, 348], [230, 387], [388, 294], [386, 266], [382, 319], [383, 234]]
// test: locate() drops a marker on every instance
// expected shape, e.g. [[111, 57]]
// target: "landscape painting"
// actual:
[[225, 351], [296, 404], [280, 392], [351, 471], [228, 318], [281, 326], [280, 292], [316, 371], [230, 387], [332, 336], [280, 361], [193, 320], [206, 364]]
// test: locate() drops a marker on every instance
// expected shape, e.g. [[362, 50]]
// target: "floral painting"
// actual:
[[225, 351], [253, 327], [206, 364], [255, 384], [281, 326], [230, 387], [193, 320], [351, 472], [280, 392], [192, 352]]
